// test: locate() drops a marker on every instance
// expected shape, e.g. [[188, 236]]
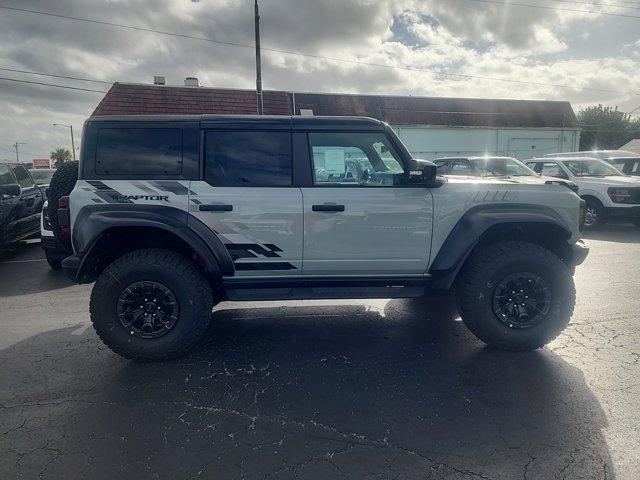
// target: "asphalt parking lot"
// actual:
[[331, 389]]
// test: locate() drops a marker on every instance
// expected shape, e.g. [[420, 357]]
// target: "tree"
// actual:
[[60, 155], [605, 128]]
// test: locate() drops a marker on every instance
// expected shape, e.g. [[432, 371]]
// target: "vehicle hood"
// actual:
[[509, 180], [616, 180]]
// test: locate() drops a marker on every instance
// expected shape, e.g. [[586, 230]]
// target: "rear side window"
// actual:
[[247, 159], [22, 176], [139, 151]]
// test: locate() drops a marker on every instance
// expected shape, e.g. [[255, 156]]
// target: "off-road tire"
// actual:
[[177, 272], [483, 272], [600, 214], [54, 260], [61, 185]]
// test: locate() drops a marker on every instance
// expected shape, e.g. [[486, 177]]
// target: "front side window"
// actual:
[[139, 151], [553, 170], [461, 167], [366, 159], [591, 168], [501, 167], [248, 159], [22, 176], [6, 177]]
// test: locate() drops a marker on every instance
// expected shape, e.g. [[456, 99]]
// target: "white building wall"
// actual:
[[429, 142]]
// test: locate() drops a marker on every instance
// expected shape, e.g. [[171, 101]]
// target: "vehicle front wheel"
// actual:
[[594, 214], [151, 305], [515, 295]]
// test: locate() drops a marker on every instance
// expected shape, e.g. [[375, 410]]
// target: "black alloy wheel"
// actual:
[[147, 309], [521, 300]]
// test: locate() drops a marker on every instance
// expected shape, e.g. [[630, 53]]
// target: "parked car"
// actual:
[[20, 204], [627, 162], [173, 214], [483, 167], [42, 176], [600, 154], [55, 245], [609, 193]]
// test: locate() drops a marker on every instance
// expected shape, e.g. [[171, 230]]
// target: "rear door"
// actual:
[[360, 218], [247, 197]]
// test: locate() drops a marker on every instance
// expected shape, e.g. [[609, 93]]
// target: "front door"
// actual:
[[247, 198], [360, 218], [31, 201]]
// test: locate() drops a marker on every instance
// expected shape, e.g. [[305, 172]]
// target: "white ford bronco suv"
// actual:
[[609, 194], [173, 214]]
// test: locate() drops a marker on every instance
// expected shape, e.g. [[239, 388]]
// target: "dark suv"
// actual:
[[20, 204]]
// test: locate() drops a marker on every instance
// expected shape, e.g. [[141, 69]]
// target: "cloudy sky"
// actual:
[[584, 51]]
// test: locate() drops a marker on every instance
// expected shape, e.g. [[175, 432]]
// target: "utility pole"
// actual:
[[16, 145], [258, 65], [73, 146]]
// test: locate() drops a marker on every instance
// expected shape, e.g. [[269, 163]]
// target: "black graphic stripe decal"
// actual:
[[252, 250], [240, 251], [264, 266], [107, 193]]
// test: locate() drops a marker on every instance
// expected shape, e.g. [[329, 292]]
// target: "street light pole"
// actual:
[[258, 63], [16, 145], [73, 146]]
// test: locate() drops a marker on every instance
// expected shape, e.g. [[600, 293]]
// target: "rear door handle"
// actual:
[[328, 207], [215, 208]]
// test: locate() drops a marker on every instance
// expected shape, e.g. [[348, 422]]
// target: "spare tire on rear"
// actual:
[[61, 185]]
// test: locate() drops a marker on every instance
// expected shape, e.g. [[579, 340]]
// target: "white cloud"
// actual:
[[591, 53]]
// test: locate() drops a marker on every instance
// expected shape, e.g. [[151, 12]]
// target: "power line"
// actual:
[[55, 76], [321, 57], [634, 6], [51, 85], [558, 9]]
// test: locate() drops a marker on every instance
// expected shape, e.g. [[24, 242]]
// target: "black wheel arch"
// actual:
[[102, 233], [491, 223]]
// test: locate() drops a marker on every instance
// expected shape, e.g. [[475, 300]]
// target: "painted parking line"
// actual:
[[26, 261], [79, 331]]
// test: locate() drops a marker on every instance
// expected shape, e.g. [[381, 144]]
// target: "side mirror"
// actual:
[[12, 190], [422, 171]]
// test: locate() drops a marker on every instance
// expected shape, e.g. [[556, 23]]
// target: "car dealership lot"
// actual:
[[323, 389]]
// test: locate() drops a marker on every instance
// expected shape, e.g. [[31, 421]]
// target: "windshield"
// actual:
[[43, 176], [501, 167], [591, 168]]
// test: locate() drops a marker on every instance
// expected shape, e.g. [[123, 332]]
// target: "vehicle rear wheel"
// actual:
[[61, 185], [515, 295], [151, 305], [594, 214], [54, 261]]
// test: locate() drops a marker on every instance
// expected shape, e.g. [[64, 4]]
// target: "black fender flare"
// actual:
[[94, 220], [474, 223]]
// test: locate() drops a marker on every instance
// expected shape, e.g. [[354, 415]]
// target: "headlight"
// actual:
[[620, 195]]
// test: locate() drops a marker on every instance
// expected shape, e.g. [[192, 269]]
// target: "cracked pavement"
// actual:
[[323, 389]]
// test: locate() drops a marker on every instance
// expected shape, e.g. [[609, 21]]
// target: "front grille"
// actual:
[[635, 195]]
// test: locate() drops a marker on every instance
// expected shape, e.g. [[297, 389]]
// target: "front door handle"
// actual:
[[328, 207], [215, 208]]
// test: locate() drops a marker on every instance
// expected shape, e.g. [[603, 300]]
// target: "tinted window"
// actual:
[[139, 151], [6, 177], [366, 159], [24, 180], [461, 167], [247, 159], [553, 170]]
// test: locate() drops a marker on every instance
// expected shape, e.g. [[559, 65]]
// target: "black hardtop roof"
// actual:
[[278, 122]]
